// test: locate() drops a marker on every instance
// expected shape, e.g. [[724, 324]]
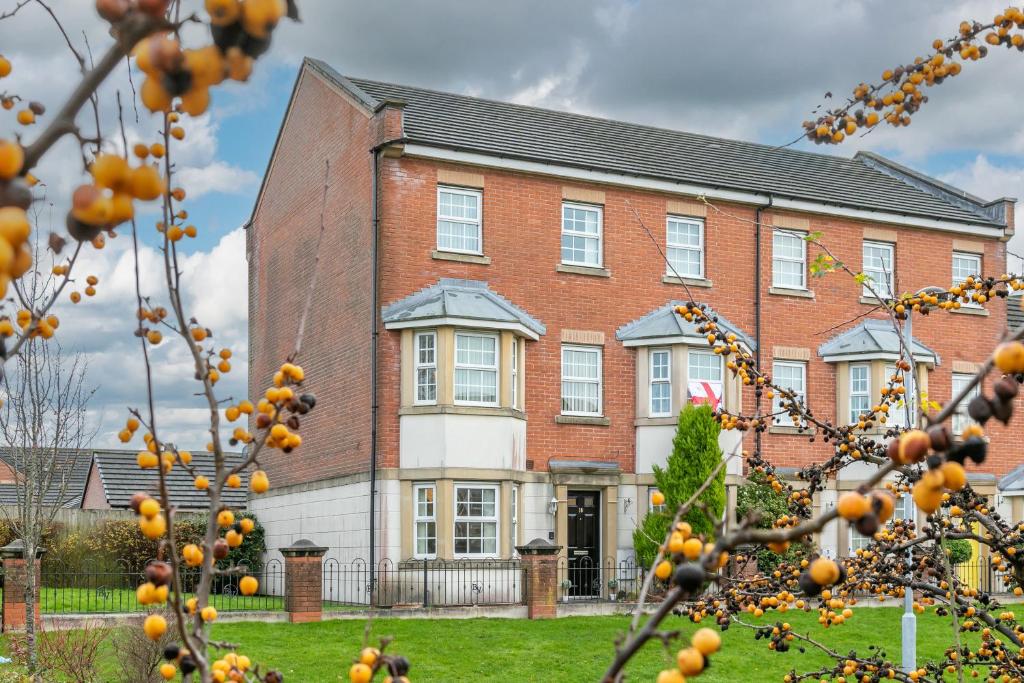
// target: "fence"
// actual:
[[979, 574], [584, 579], [111, 589], [426, 583]]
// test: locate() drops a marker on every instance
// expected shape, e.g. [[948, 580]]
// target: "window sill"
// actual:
[[462, 410], [689, 281], [593, 271], [871, 301], [655, 421], [460, 257], [970, 310], [785, 291], [582, 420], [787, 429]]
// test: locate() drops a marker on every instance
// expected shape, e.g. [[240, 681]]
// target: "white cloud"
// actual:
[[990, 180], [218, 176]]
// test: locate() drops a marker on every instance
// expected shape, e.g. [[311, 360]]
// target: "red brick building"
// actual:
[[492, 340]]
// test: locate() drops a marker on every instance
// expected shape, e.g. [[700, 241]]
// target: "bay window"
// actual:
[[426, 367], [860, 391], [476, 369], [476, 521], [424, 521], [661, 382], [704, 374]]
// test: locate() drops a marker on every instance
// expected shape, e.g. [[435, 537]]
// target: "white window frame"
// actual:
[[670, 267], [784, 420], [600, 233], [866, 393], [496, 368], [513, 517], [515, 372], [651, 507], [478, 223], [797, 235], [886, 288], [859, 540], [960, 418], [600, 379], [897, 415], [959, 280], [703, 353], [423, 519], [496, 519], [418, 365], [664, 381]]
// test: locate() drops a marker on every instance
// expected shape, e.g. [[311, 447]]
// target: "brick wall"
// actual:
[[321, 125], [521, 234]]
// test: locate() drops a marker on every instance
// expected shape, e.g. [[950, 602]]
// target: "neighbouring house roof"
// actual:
[[460, 302], [513, 131], [873, 338], [663, 325], [1013, 482], [68, 483], [122, 478], [1014, 312]]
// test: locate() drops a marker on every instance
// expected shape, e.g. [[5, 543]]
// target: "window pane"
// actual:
[[788, 376], [878, 266], [705, 366], [659, 365], [581, 235]]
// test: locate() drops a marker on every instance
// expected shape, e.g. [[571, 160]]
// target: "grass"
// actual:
[[112, 600], [573, 648]]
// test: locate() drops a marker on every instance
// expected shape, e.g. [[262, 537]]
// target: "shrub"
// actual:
[[959, 550], [757, 496], [70, 650], [138, 657], [695, 455]]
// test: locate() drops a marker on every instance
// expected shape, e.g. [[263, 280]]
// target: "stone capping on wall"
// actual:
[[791, 353], [583, 337], [791, 222], [579, 194], [461, 178], [880, 234], [680, 207]]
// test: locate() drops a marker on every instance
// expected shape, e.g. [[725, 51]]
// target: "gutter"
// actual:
[[374, 338], [757, 311]]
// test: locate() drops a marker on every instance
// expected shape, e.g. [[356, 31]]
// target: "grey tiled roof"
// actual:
[[1014, 312], [68, 484], [665, 322], [472, 124], [1014, 481], [873, 336], [122, 477], [465, 299]]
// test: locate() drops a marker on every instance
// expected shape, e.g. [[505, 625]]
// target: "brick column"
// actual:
[[303, 580], [15, 577], [540, 559]]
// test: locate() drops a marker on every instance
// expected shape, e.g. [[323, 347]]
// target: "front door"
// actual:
[[584, 508]]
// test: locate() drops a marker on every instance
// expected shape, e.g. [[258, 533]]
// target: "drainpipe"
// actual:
[[757, 306], [374, 334]]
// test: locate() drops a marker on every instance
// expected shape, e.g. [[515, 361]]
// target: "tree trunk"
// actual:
[[30, 606]]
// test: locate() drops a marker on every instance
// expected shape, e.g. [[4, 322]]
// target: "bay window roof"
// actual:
[[873, 339], [466, 303], [664, 326]]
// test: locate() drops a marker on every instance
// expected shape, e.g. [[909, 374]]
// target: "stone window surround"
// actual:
[[444, 515], [445, 374], [679, 367]]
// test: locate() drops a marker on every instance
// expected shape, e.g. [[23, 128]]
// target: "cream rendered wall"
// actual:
[[448, 440]]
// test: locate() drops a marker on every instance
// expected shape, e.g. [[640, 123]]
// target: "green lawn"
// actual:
[[570, 649], [114, 600]]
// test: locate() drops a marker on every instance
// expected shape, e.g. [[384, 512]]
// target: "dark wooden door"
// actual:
[[584, 508]]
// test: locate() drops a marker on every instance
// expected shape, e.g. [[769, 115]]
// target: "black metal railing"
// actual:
[[978, 573], [112, 589], [583, 579], [424, 583]]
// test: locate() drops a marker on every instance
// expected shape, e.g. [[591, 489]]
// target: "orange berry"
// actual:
[[12, 158]]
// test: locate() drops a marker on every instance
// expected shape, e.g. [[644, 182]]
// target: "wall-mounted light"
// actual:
[[553, 506]]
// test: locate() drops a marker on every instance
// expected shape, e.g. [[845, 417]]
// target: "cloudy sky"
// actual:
[[749, 70]]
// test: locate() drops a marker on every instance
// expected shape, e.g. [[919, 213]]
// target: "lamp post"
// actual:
[[908, 622]]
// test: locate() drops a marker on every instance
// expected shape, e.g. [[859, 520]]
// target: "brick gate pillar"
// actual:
[[540, 559], [15, 577], [303, 580]]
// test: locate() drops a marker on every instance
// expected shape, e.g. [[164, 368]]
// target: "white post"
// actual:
[[909, 619]]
